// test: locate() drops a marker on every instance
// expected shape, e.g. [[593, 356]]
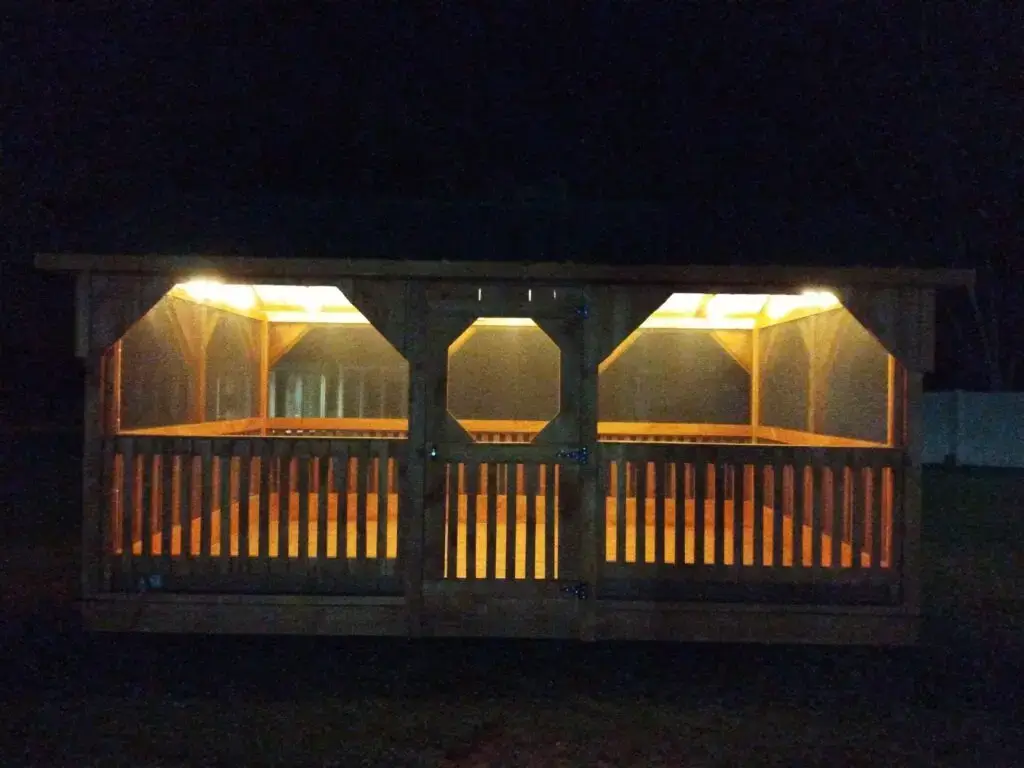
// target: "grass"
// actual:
[[71, 699]]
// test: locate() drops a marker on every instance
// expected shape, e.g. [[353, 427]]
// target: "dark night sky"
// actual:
[[909, 115]]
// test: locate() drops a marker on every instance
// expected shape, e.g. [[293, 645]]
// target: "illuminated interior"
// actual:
[[794, 368], [327, 304]]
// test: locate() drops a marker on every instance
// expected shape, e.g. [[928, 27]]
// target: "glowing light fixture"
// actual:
[[723, 305], [779, 306], [706, 323], [683, 303], [240, 297]]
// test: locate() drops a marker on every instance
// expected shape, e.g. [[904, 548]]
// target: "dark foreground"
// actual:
[[75, 700]]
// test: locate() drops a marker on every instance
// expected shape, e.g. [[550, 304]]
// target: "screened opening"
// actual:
[[503, 379], [213, 358], [749, 368]]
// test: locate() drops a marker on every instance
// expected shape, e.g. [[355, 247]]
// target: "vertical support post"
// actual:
[[913, 445], [755, 383], [414, 480], [591, 495], [117, 387], [92, 489], [264, 396]]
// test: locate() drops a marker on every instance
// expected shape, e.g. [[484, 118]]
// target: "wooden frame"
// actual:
[[858, 499]]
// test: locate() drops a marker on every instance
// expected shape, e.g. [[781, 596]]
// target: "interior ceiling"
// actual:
[[327, 304]]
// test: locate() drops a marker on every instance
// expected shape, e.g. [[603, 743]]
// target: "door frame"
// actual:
[[475, 605]]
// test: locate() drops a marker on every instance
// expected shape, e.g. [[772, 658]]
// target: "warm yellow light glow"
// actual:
[[683, 303], [240, 297], [332, 318], [311, 298], [505, 322], [659, 320], [781, 305], [723, 305]]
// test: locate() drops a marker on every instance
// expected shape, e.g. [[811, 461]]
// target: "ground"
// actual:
[[75, 700]]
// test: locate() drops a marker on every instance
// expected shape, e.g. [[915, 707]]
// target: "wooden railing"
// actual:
[[501, 520], [506, 431], [253, 514], [745, 515]]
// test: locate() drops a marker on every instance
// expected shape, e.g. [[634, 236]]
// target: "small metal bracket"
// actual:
[[583, 311], [579, 455], [578, 590]]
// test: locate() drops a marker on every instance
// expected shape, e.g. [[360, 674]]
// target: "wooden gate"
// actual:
[[503, 497]]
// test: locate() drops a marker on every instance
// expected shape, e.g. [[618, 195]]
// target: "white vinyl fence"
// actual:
[[976, 429]]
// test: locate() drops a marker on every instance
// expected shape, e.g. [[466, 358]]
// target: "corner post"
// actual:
[[264, 382], [92, 429], [413, 504], [913, 444], [755, 383], [591, 493]]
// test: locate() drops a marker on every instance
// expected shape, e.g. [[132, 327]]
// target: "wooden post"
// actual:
[[264, 380], [92, 483], [412, 502], [591, 496], [913, 442], [755, 383], [117, 388]]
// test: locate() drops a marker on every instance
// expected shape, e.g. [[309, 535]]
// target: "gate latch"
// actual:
[[578, 590], [579, 455]]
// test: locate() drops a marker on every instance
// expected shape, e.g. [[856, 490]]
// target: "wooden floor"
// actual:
[[368, 548]]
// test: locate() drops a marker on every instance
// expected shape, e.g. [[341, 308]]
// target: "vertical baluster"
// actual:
[[147, 478], [839, 508], [167, 462], [224, 452], [758, 519], [302, 470], [472, 494], [492, 520], [339, 487], [205, 503], [550, 518], [512, 522], [243, 449], [722, 475], [532, 480], [778, 511], [453, 496], [638, 470], [362, 469], [263, 448], [383, 521], [323, 497], [815, 524], [620, 509], [700, 490], [799, 507], [284, 498], [679, 492], [660, 490]]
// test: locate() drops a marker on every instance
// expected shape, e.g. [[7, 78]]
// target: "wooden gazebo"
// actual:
[[528, 449]]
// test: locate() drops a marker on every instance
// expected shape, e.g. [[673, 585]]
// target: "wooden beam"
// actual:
[[624, 345], [283, 338], [117, 389], [697, 278], [200, 429], [738, 345], [460, 342], [801, 437]]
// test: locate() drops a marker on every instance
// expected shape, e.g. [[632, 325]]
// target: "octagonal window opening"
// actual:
[[742, 368], [504, 379]]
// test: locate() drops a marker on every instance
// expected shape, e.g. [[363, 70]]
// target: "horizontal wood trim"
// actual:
[[607, 430], [199, 429], [658, 429], [303, 270], [799, 437]]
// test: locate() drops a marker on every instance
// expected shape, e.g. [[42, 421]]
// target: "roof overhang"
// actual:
[[187, 266]]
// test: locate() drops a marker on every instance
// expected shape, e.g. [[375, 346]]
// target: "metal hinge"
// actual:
[[579, 590], [579, 455]]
